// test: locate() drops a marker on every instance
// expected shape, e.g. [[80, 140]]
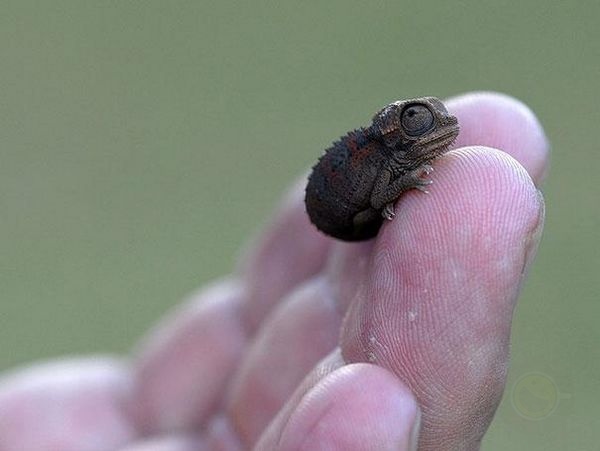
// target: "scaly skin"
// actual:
[[354, 185]]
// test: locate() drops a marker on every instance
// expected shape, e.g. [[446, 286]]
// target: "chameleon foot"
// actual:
[[417, 175], [388, 211], [422, 185], [427, 169]]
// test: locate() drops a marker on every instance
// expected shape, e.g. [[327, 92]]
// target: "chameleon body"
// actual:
[[354, 185]]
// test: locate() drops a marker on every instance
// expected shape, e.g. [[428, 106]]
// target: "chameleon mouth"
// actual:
[[442, 139], [436, 144]]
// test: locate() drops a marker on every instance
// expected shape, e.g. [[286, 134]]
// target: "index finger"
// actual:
[[435, 303]]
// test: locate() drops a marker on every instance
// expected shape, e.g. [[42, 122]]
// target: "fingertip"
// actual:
[[70, 404], [478, 193], [298, 333], [503, 122], [356, 407], [289, 251], [202, 340]]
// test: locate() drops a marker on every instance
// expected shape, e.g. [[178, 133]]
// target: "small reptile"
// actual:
[[354, 185]]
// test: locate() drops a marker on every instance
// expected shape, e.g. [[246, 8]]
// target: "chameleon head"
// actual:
[[421, 127]]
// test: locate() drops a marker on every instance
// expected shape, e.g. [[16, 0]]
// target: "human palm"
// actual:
[[315, 344]]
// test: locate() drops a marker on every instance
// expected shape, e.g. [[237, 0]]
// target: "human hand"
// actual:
[[314, 344]]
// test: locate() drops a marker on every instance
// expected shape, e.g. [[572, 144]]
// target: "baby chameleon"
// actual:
[[354, 185]]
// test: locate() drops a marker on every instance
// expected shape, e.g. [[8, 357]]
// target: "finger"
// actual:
[[355, 407], [71, 405], [303, 329], [502, 122], [183, 366], [289, 251], [437, 304]]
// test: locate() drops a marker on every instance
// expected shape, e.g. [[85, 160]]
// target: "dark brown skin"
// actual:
[[354, 185]]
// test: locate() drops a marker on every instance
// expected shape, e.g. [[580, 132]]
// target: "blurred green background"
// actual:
[[142, 141]]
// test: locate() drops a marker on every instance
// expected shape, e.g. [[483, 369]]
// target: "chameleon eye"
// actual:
[[416, 120]]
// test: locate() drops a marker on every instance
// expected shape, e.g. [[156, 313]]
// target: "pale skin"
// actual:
[[397, 343]]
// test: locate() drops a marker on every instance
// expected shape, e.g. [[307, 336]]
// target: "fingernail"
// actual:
[[414, 435], [533, 239]]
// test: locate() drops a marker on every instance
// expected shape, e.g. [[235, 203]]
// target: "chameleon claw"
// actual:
[[427, 169], [388, 211], [422, 186]]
